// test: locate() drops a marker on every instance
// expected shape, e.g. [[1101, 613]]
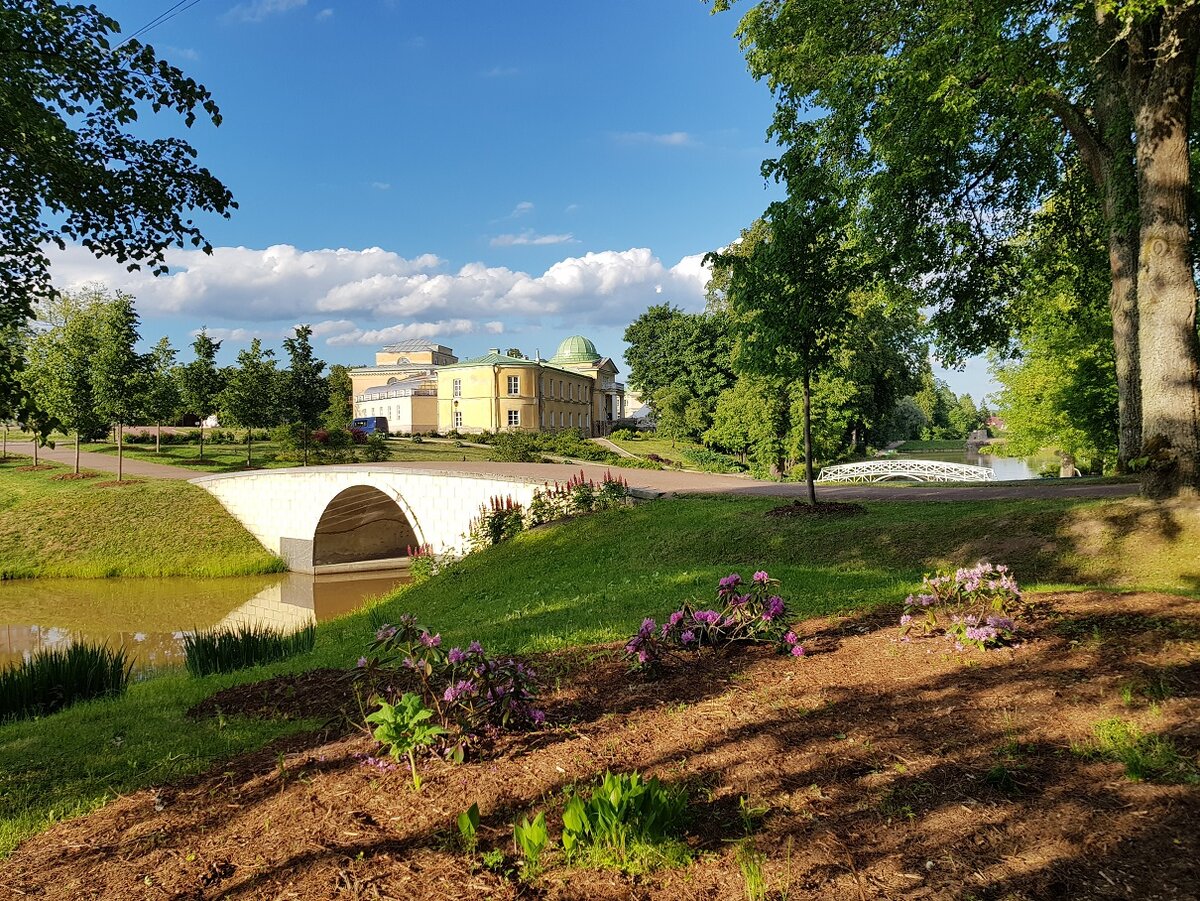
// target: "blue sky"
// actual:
[[478, 173]]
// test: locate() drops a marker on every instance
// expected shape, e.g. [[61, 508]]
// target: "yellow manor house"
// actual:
[[420, 386]]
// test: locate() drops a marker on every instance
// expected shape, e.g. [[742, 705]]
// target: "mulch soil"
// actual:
[[889, 770]]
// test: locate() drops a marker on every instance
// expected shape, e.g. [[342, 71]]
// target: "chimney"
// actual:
[[494, 350]]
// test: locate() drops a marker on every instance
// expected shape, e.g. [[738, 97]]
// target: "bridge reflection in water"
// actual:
[[148, 617]]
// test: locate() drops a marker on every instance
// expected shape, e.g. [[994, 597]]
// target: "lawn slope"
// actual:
[[94, 528]]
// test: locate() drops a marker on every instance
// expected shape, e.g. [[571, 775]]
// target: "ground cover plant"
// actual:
[[743, 613], [1145, 756], [80, 528], [973, 606], [55, 678], [597, 577], [227, 648]]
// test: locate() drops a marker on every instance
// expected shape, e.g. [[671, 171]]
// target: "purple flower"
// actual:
[[1001, 623], [675, 618], [798, 651], [362, 662], [648, 626], [454, 692], [643, 655], [774, 608], [475, 647], [456, 655], [906, 619], [739, 600], [537, 716], [761, 576], [430, 641], [731, 581], [688, 637], [385, 632], [791, 638]]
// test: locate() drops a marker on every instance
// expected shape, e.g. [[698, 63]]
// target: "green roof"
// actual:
[[491, 359], [576, 349]]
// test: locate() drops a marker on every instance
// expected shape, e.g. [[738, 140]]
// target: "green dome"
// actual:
[[576, 349]]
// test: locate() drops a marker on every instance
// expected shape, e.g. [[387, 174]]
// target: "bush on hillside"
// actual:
[[53, 679]]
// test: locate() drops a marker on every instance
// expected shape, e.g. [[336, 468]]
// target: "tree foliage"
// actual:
[[669, 348], [306, 391], [201, 382], [251, 397], [76, 169]]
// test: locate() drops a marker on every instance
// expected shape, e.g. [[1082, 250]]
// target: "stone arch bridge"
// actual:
[[329, 518]]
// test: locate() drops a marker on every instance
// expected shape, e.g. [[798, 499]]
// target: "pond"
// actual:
[[1007, 469], [148, 617]]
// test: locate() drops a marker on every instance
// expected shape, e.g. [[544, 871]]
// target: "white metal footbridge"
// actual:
[[905, 470]]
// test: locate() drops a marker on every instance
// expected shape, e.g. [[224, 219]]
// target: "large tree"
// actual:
[[340, 411], [306, 392], [75, 164], [669, 348], [956, 118]]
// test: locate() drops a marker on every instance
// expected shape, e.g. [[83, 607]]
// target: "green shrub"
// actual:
[[531, 840], [516, 447], [225, 649], [54, 679], [626, 823], [623, 435], [711, 461], [376, 448], [636, 463], [403, 730]]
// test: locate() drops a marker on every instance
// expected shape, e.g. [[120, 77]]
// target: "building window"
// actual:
[[514, 417], [514, 384], [457, 389], [571, 420], [458, 419]]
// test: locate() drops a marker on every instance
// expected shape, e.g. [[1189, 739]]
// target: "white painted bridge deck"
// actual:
[[892, 470]]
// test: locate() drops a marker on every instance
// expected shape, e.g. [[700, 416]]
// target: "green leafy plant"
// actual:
[[225, 649], [627, 822], [1151, 757], [750, 862], [403, 729], [531, 840], [54, 679], [468, 828], [493, 860]]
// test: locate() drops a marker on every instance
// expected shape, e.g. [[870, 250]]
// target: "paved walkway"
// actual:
[[141, 469], [667, 481]]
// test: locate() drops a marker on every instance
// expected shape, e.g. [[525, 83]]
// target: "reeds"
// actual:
[[54, 679], [225, 648]]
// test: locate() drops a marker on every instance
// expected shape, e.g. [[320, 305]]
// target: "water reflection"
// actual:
[[1007, 469], [148, 617]]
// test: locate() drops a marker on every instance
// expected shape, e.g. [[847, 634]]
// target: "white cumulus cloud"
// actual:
[[257, 10], [664, 139], [373, 295], [530, 238]]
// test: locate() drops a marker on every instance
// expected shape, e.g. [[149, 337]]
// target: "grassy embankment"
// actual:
[[85, 528], [592, 580]]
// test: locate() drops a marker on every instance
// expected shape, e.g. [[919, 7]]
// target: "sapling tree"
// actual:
[[162, 388], [340, 411], [306, 392], [119, 371], [201, 382], [251, 395], [58, 367], [788, 297]]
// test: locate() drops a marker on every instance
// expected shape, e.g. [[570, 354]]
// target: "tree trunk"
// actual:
[[808, 461], [306, 433], [35, 447], [201, 439], [248, 434], [4, 452], [120, 452], [1163, 75], [78, 441], [158, 438]]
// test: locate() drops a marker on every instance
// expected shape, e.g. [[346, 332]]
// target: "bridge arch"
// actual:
[[362, 523]]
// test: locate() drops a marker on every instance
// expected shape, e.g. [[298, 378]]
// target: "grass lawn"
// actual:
[[593, 579], [661, 446], [232, 457], [91, 528]]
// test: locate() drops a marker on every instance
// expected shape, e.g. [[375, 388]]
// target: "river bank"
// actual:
[[53, 524]]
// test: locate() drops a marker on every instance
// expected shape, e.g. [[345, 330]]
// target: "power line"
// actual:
[[165, 16]]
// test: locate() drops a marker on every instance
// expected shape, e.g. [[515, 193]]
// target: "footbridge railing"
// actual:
[[906, 470]]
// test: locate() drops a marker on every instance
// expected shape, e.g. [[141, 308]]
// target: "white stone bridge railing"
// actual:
[[905, 470]]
